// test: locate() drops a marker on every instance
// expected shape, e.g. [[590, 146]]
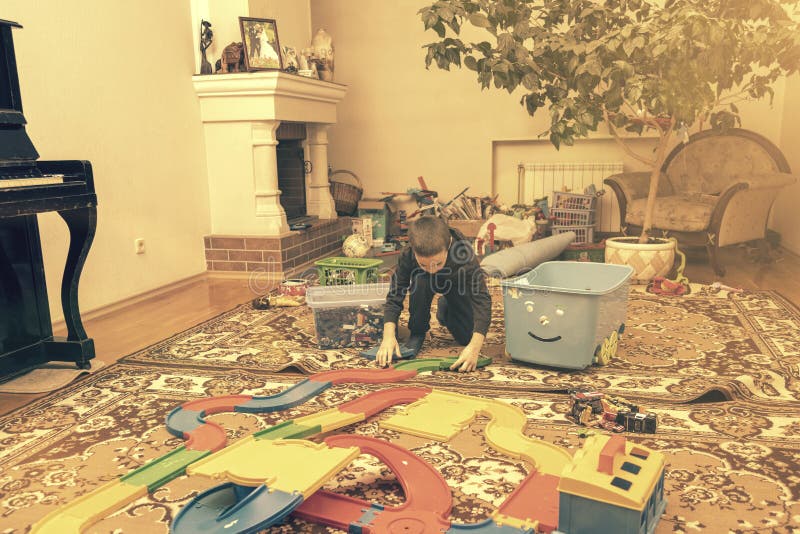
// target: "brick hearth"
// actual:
[[278, 257]]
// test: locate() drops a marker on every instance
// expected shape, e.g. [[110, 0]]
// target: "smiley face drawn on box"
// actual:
[[550, 321]]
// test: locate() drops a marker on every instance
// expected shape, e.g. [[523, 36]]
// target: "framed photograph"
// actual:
[[262, 50]]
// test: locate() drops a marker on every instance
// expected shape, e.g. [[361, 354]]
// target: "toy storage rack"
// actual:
[[573, 212]]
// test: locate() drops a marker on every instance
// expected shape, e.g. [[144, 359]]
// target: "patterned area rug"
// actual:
[[742, 345], [732, 465], [731, 468]]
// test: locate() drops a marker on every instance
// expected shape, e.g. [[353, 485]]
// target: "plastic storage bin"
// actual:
[[348, 316], [566, 314], [583, 234], [572, 217], [573, 201], [345, 271]]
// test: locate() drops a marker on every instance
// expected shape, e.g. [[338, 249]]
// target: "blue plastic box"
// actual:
[[566, 314]]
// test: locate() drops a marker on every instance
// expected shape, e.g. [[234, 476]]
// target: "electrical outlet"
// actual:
[[138, 245]]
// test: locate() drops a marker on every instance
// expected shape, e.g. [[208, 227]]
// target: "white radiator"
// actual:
[[541, 179]]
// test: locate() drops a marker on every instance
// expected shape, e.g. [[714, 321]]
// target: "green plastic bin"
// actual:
[[339, 271]]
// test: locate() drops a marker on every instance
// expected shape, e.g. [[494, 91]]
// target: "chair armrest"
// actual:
[[637, 184], [770, 180]]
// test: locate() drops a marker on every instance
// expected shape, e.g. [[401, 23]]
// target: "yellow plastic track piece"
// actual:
[[506, 433], [441, 415], [329, 419], [88, 509], [290, 465], [522, 524]]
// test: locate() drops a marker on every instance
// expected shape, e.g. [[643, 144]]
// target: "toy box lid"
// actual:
[[572, 277], [347, 295]]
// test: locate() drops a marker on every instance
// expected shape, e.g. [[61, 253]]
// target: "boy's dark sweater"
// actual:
[[461, 272]]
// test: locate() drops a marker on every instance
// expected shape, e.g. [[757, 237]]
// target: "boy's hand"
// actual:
[[468, 360], [389, 348]]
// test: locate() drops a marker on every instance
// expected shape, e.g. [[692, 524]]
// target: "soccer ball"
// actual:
[[355, 246]]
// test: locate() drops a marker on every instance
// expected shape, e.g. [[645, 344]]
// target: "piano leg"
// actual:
[[82, 223]]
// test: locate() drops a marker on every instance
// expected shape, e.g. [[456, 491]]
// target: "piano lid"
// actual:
[[15, 145]]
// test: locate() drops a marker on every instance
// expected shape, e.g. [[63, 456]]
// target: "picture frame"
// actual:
[[262, 49]]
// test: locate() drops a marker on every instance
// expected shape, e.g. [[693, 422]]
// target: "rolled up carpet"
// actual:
[[521, 258]]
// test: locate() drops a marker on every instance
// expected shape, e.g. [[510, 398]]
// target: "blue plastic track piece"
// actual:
[[180, 421], [219, 510], [288, 398], [487, 527], [357, 527]]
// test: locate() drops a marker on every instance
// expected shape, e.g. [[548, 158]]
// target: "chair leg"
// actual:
[[713, 258], [764, 251]]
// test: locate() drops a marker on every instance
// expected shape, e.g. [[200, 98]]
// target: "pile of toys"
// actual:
[[616, 414]]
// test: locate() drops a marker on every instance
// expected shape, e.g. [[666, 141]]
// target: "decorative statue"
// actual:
[[322, 54], [232, 58], [206, 37], [290, 60]]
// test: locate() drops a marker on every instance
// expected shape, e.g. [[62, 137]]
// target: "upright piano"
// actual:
[[29, 187]]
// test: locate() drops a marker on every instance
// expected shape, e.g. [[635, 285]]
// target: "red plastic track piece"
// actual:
[[428, 498], [206, 437], [377, 401], [364, 376], [535, 499], [211, 405]]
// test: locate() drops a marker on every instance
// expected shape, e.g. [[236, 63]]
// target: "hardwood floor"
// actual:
[[147, 322], [140, 325]]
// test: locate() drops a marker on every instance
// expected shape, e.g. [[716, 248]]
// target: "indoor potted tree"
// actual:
[[636, 65]]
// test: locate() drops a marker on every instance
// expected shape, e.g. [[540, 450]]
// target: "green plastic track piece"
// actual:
[[287, 430], [161, 470], [434, 364]]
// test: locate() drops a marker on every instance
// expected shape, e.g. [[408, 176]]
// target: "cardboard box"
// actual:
[[363, 227], [378, 211]]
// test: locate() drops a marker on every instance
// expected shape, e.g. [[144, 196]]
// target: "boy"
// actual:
[[437, 260]]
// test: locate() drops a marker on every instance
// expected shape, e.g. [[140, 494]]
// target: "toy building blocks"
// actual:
[[616, 413]]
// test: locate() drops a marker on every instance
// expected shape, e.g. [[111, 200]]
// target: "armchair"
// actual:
[[715, 190]]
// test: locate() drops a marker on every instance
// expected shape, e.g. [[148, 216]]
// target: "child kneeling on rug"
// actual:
[[441, 261]]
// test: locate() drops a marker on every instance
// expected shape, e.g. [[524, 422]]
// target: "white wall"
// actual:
[[110, 82], [786, 216], [400, 121]]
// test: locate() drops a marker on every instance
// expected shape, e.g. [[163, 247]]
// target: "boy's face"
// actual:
[[432, 264]]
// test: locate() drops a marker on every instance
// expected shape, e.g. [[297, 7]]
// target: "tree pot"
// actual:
[[648, 260]]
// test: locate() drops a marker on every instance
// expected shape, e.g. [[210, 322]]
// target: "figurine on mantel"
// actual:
[[322, 54], [232, 59], [206, 38]]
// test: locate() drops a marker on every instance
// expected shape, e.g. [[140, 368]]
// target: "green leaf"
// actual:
[[471, 63], [480, 20]]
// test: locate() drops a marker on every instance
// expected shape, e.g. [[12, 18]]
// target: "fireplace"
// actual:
[[262, 129], [291, 169]]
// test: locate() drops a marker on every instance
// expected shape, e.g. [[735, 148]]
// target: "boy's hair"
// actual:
[[429, 236]]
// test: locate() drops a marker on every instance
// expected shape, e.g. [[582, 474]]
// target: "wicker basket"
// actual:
[[345, 195]]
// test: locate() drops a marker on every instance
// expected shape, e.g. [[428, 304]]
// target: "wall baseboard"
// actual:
[[135, 299]]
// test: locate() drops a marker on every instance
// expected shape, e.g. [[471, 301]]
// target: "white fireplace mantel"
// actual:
[[241, 113]]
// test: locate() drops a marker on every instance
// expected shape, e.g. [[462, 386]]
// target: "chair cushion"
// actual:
[[686, 213]]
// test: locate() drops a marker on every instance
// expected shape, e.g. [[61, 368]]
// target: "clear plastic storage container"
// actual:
[[348, 315]]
